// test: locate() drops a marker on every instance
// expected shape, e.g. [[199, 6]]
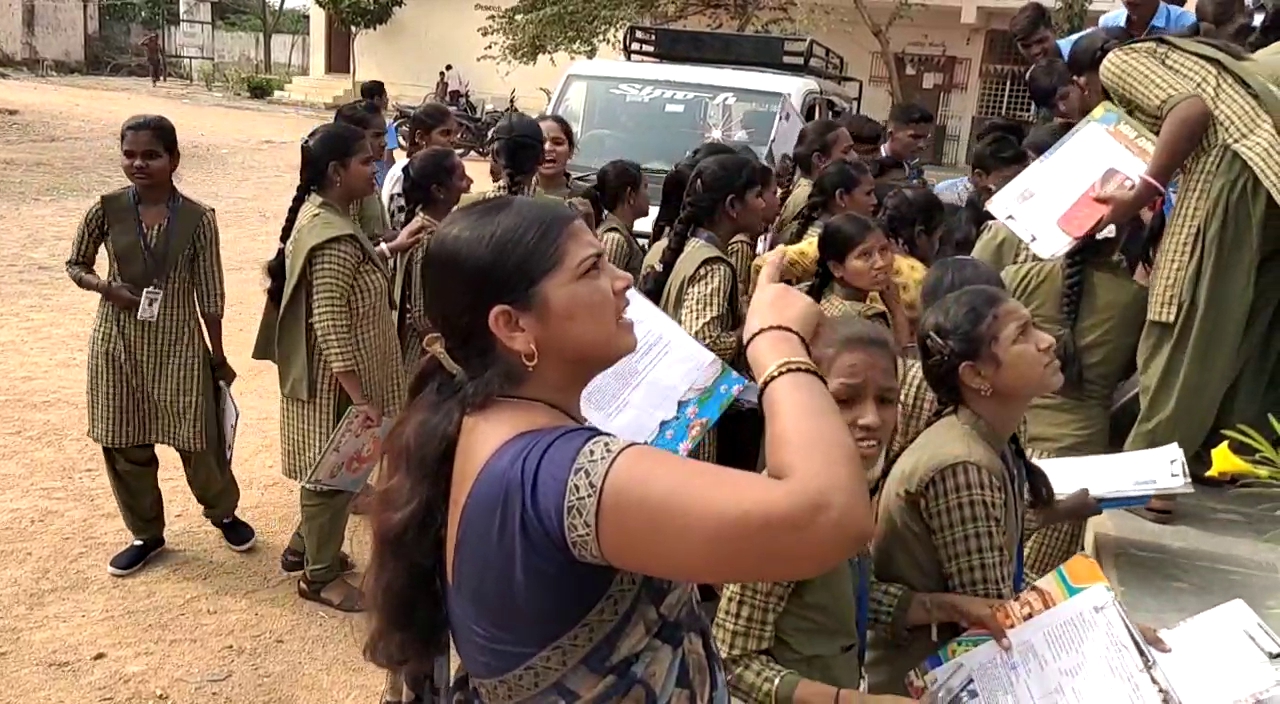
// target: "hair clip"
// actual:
[[937, 345], [434, 345]]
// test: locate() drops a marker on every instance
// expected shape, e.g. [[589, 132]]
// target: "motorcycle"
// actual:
[[473, 126], [473, 132]]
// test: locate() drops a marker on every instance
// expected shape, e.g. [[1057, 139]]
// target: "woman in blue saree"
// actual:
[[560, 559]]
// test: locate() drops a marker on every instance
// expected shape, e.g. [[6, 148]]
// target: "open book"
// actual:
[[1073, 643], [1051, 203], [668, 392]]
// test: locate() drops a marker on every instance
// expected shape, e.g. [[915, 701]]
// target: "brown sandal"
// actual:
[[1158, 511], [351, 601]]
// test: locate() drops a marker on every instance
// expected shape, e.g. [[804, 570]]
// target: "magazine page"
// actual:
[[668, 392], [1221, 656], [1081, 651], [1051, 204], [353, 452], [1136, 474], [1066, 581]]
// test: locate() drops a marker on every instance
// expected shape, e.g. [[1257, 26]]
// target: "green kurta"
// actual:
[[341, 289], [149, 383], [1112, 310], [1208, 356]]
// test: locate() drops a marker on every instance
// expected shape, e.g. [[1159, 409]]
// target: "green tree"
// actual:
[[151, 14], [268, 17], [527, 30], [1070, 16], [360, 16]]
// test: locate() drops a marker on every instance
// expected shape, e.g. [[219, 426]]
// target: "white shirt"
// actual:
[[392, 186], [454, 79]]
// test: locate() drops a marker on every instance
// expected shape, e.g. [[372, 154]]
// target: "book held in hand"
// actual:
[[668, 392], [1053, 203], [353, 452]]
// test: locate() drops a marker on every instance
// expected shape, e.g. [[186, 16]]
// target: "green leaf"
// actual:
[[361, 15], [527, 30]]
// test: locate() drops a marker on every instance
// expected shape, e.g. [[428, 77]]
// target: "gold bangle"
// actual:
[[787, 366]]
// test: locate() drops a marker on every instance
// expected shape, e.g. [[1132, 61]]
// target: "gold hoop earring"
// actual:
[[530, 359]]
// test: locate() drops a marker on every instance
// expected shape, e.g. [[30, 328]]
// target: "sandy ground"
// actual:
[[201, 624]]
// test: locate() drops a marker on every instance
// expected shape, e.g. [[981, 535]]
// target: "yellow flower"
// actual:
[[1226, 463]]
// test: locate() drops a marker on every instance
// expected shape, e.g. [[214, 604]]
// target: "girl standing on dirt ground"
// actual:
[[152, 379], [330, 328]]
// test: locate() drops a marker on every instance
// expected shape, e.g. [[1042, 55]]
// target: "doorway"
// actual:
[[337, 46]]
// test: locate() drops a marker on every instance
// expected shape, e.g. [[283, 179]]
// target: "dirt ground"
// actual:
[[201, 623]]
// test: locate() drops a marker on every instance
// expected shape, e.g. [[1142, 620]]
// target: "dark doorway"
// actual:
[[337, 47], [925, 79]]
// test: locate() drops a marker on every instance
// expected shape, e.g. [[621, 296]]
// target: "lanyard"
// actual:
[[1018, 478], [863, 617], [154, 259]]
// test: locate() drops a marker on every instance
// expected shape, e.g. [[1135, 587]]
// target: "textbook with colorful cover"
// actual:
[[352, 453], [1052, 203], [1069, 579], [668, 392]]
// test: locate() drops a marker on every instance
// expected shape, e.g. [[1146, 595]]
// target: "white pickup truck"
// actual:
[[679, 88]]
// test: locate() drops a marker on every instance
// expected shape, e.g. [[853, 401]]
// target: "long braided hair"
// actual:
[[1137, 242], [334, 142], [838, 177], [675, 183], [715, 180], [517, 151]]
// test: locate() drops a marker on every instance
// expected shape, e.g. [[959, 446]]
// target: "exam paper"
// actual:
[[1221, 656], [632, 398], [1082, 651], [1051, 204], [1159, 470]]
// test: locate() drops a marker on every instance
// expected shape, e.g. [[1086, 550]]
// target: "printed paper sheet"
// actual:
[[1051, 204], [668, 392]]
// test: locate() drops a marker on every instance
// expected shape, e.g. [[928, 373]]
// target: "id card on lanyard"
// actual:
[[153, 259], [862, 571]]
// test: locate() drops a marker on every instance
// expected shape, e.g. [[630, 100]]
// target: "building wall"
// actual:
[[408, 52], [289, 52], [53, 30]]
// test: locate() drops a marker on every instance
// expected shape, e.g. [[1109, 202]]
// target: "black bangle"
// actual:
[[769, 328], [837, 697]]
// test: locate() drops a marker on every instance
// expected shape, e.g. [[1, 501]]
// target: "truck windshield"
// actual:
[[657, 123]]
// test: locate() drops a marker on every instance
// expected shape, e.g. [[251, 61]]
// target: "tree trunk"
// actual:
[[887, 54], [355, 93], [267, 61], [890, 58]]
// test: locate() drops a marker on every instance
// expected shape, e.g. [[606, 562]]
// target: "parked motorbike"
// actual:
[[473, 126], [473, 132]]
